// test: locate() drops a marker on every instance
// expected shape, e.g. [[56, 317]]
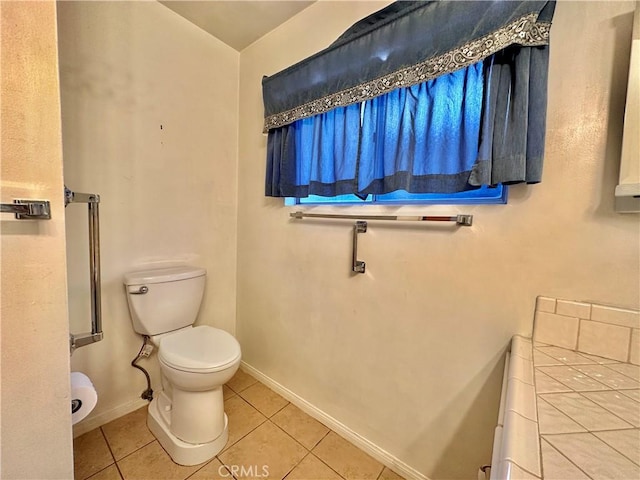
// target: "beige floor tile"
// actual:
[[599, 360], [627, 369], [552, 420], [152, 462], [214, 470], [227, 393], [127, 434], [346, 459], [90, 454], [565, 355], [388, 474], [585, 412], [594, 457], [619, 404], [243, 418], [542, 359], [546, 384], [305, 429], [264, 399], [635, 394], [109, 473], [607, 376], [627, 442], [573, 378], [267, 448], [240, 381], [311, 468], [557, 467]]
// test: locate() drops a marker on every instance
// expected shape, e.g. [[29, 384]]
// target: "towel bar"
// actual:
[[92, 201], [28, 209], [462, 220], [359, 266]]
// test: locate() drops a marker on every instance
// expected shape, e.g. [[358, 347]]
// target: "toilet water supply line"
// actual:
[[144, 352]]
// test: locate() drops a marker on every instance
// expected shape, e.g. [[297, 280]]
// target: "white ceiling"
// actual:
[[237, 23]]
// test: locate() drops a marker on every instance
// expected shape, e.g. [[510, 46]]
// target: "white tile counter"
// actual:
[[567, 415]]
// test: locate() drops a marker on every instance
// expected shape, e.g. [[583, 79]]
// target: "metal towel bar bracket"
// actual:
[[92, 200], [28, 209], [358, 266]]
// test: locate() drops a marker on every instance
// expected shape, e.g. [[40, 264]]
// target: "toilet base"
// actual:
[[181, 452]]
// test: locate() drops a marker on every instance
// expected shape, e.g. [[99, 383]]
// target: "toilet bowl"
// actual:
[[187, 416]]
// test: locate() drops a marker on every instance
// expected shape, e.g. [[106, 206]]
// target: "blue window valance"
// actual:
[[336, 109]]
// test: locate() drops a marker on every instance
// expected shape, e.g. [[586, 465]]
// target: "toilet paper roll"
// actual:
[[83, 396]]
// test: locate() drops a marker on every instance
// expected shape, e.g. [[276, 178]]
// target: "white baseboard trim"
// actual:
[[95, 421], [372, 449]]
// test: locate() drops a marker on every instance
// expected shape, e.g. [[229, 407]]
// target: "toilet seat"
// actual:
[[200, 349]]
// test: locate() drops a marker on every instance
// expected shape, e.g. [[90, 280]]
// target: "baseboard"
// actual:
[[95, 421], [372, 449]]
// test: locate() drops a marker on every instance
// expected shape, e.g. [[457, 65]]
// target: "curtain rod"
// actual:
[[462, 220]]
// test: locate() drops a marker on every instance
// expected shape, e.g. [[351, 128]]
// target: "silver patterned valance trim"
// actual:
[[523, 31]]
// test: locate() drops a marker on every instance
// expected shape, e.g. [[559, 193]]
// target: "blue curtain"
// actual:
[[423, 139], [427, 97], [315, 156]]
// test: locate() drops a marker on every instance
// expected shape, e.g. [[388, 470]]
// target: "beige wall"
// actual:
[[150, 121], [409, 355], [35, 414]]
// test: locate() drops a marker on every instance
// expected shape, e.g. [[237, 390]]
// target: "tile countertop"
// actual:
[[567, 415]]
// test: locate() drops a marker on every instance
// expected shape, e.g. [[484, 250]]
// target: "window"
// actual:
[[482, 196]]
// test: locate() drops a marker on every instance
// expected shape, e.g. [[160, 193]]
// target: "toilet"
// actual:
[[187, 416]]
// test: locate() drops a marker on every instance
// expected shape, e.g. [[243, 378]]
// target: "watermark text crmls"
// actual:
[[240, 471]]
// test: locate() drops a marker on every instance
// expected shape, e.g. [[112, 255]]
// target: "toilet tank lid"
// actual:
[[162, 275]]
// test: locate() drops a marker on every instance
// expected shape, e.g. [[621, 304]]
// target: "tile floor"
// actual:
[[588, 413], [264, 430]]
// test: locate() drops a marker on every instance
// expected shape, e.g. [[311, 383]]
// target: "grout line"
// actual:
[[115, 462], [229, 445], [611, 412], [323, 437], [573, 389], [201, 467], [552, 378], [614, 448], [622, 373], [278, 411], [561, 413], [245, 388], [325, 463], [576, 421], [535, 399], [607, 410], [113, 457], [623, 393], [288, 435], [565, 457], [294, 467], [614, 372]]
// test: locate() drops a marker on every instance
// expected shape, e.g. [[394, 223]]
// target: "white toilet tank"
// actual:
[[164, 299]]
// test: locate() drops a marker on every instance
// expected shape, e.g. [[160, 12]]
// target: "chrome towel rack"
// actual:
[[359, 266], [28, 209], [462, 220], [92, 200]]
